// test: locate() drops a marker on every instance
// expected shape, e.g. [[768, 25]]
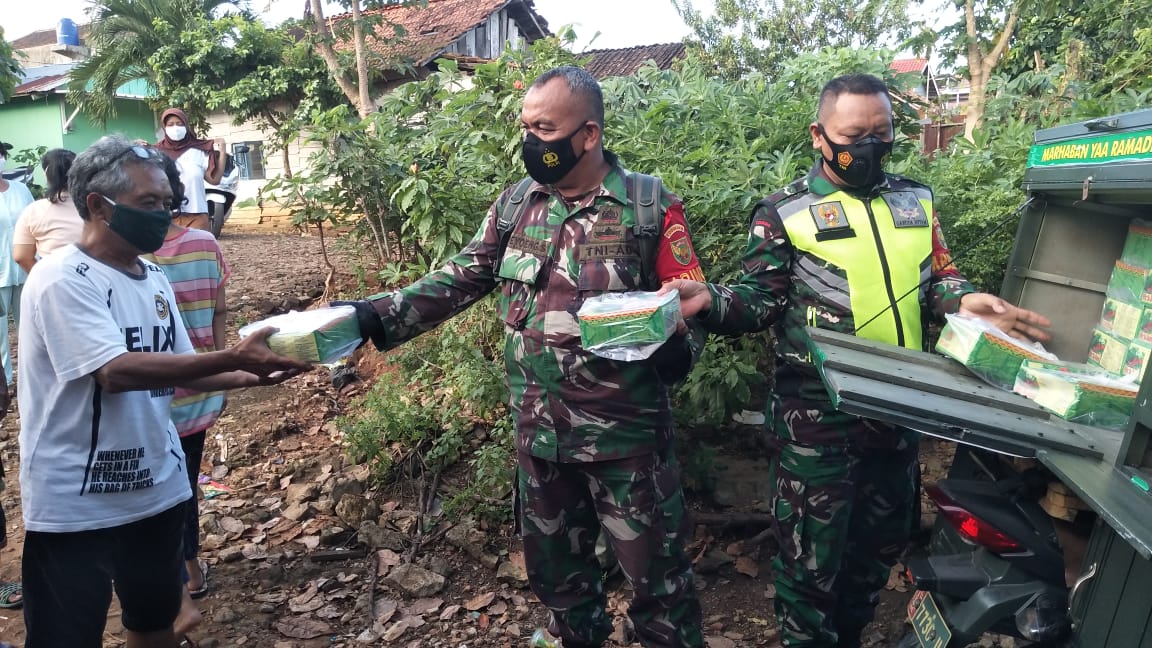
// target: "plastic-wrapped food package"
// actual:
[[1136, 360], [1128, 283], [323, 335], [987, 351], [1107, 351], [628, 325], [1138, 244], [1079, 393], [1122, 319]]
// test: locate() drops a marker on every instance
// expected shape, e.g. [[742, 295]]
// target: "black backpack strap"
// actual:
[[645, 192], [509, 213]]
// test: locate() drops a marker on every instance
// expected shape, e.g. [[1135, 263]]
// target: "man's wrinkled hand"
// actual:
[[1020, 323], [694, 296], [253, 355]]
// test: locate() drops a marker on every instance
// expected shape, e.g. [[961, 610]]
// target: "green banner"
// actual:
[[1093, 150]]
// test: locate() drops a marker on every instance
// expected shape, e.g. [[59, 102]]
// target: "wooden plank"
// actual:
[[950, 415], [1126, 508], [494, 41]]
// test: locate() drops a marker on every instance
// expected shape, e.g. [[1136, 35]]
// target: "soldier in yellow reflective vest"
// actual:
[[851, 249]]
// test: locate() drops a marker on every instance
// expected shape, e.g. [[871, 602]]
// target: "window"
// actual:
[[249, 158]]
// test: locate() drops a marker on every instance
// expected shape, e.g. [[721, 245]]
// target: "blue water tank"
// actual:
[[67, 33]]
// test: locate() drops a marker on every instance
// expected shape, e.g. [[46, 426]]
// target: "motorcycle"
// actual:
[[222, 196], [997, 561], [21, 174]]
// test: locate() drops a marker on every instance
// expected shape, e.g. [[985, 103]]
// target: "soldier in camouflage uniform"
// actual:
[[850, 249], [593, 436]]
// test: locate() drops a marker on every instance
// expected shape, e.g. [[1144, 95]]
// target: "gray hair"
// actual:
[[583, 86], [100, 168]]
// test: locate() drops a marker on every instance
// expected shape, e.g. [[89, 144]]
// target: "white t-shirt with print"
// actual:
[[193, 164], [90, 459]]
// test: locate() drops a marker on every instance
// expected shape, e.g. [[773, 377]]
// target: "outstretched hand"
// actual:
[[253, 355], [1020, 323], [694, 296]]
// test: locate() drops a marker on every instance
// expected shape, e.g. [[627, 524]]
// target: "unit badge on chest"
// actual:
[[906, 209], [609, 226], [829, 216]]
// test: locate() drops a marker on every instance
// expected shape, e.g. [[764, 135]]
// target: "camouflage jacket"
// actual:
[[789, 288], [568, 405]]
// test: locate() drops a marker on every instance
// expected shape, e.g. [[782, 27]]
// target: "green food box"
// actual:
[[987, 351], [1107, 351], [323, 335], [1129, 283], [627, 320], [1138, 244], [1079, 393], [1120, 318], [1136, 359], [1144, 330]]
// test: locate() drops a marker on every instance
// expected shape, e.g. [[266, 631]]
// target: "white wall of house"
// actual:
[[269, 164]]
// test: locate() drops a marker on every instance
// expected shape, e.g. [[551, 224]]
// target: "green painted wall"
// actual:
[[28, 123], [133, 119]]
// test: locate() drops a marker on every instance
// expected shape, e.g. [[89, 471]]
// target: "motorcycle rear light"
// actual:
[[972, 528]]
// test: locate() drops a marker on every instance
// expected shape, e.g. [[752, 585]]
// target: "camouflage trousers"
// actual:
[[562, 508], [844, 515]]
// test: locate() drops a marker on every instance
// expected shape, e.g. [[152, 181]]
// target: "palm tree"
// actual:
[[124, 34]]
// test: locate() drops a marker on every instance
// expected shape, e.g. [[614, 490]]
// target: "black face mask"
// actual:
[[143, 229], [860, 164], [549, 161]]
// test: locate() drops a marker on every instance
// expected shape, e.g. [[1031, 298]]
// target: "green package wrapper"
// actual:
[[323, 335], [1138, 244], [1129, 283], [1136, 360], [1121, 319], [1107, 351], [987, 351], [630, 325], [1079, 393]]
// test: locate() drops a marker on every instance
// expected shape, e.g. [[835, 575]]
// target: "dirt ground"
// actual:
[[289, 570]]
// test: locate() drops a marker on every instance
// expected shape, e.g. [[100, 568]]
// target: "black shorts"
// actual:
[[69, 577]]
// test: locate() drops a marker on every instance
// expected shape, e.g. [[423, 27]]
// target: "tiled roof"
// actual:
[[626, 61], [430, 29], [908, 65], [43, 37]]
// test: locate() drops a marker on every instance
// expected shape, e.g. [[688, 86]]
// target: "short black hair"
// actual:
[[583, 86], [56, 164], [857, 84]]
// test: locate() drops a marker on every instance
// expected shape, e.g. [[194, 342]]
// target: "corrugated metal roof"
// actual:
[[43, 84]]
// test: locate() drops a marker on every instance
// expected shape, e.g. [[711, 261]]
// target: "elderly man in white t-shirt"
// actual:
[[102, 349]]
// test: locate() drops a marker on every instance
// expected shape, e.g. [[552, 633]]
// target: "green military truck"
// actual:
[[1086, 184]]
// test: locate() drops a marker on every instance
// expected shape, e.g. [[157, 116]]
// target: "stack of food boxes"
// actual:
[[1101, 392]]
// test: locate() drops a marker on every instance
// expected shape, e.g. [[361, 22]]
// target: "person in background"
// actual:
[[199, 163], [51, 222], [194, 265], [14, 197]]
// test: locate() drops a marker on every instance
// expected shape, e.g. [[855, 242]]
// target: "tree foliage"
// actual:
[[9, 69], [124, 36], [740, 36]]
